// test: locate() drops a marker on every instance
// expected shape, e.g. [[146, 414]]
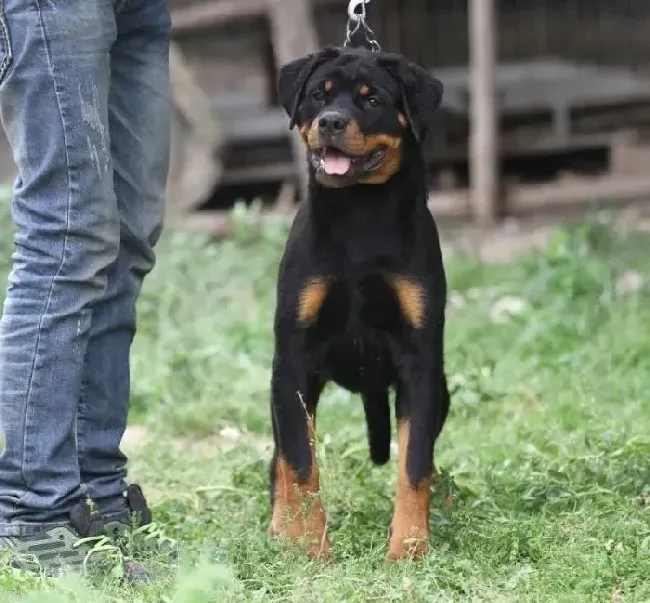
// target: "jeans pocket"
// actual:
[[5, 44]]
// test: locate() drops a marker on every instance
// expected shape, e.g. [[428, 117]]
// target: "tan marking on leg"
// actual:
[[412, 299], [410, 526], [311, 299], [298, 514]]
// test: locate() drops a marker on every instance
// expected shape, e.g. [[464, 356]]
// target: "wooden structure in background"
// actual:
[[435, 32], [571, 81], [552, 94], [197, 168]]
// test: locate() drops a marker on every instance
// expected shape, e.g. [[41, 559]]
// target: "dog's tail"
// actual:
[[377, 411]]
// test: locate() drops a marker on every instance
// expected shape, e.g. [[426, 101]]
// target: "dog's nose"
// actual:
[[332, 122]]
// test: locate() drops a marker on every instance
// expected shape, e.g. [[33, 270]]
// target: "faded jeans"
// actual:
[[85, 104]]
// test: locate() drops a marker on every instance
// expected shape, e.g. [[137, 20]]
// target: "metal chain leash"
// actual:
[[356, 21]]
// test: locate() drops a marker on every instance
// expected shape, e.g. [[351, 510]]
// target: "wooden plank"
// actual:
[[483, 128], [575, 192], [212, 14], [293, 32], [558, 198], [271, 172]]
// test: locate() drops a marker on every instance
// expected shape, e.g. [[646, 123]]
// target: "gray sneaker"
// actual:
[[54, 550], [80, 547]]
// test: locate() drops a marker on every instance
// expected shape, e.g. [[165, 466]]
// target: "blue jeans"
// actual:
[[85, 103]]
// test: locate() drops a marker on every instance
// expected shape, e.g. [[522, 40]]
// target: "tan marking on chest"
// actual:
[[311, 299], [412, 299]]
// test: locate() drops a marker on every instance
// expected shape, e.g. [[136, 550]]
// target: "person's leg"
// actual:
[[139, 123], [54, 108]]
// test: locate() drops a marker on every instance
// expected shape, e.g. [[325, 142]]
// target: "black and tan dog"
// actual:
[[361, 290]]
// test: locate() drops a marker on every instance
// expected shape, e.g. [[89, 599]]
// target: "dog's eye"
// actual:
[[373, 101], [318, 95]]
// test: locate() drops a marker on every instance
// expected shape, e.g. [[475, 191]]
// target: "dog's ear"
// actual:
[[421, 93], [293, 79]]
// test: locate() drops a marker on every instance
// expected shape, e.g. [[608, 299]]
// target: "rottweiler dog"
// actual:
[[361, 291]]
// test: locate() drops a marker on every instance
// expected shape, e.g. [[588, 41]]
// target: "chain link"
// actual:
[[356, 21]]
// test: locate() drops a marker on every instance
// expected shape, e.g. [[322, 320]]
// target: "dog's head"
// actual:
[[357, 111]]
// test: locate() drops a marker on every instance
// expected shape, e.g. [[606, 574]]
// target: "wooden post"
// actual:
[[484, 152], [195, 167], [294, 35], [190, 99]]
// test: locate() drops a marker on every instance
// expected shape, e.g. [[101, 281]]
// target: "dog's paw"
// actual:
[[307, 530], [317, 547], [407, 541]]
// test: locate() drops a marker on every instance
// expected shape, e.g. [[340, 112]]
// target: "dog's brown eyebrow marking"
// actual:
[[311, 299], [412, 298], [364, 90], [402, 120], [329, 84]]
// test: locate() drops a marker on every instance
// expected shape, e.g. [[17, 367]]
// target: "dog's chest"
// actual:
[[365, 304], [357, 331]]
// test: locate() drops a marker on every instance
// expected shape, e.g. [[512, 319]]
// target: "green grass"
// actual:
[[546, 450]]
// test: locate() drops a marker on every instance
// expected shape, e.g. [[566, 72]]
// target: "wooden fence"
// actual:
[[235, 46]]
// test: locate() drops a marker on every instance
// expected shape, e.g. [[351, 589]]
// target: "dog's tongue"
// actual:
[[336, 163]]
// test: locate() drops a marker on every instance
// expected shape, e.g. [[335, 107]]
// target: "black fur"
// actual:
[[355, 236]]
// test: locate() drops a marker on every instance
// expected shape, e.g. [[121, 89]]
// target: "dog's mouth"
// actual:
[[334, 162]]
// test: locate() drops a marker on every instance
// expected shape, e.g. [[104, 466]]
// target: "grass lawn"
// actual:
[[546, 450]]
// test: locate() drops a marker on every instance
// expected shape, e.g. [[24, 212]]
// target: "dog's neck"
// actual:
[[361, 219]]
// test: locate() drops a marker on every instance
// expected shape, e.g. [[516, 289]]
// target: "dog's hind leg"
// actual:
[[297, 511], [377, 410]]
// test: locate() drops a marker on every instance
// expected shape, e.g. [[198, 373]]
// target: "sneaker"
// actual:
[[50, 551], [78, 547], [136, 532], [87, 521]]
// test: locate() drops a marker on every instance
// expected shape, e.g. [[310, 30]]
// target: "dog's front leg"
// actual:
[[421, 409], [297, 511]]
